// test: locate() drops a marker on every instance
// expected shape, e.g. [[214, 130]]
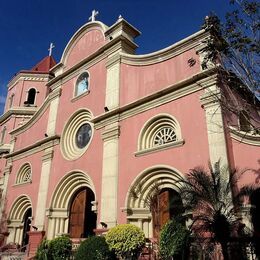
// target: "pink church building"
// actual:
[[79, 135]]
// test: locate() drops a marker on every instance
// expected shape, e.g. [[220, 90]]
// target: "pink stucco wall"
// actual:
[[29, 189], [246, 157], [194, 152], [35, 133], [85, 46], [20, 91], [93, 101], [140, 81]]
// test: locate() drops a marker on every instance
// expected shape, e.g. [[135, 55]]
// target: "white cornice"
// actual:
[[17, 111], [245, 137], [28, 76], [176, 49], [36, 147]]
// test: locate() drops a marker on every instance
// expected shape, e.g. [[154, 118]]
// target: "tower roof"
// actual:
[[44, 65]]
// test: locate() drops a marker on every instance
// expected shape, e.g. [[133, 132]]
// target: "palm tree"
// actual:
[[212, 197]]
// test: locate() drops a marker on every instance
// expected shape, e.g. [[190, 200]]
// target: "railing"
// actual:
[[14, 252], [150, 250]]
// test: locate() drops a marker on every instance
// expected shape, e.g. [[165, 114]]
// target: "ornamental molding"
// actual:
[[162, 147], [96, 25], [111, 133], [244, 137], [176, 49], [63, 75], [22, 76], [169, 93], [39, 146], [17, 111]]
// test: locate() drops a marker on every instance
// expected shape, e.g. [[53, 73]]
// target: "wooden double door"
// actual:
[[82, 220], [166, 205]]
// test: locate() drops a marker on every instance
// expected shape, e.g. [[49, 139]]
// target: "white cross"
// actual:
[[92, 18], [50, 49]]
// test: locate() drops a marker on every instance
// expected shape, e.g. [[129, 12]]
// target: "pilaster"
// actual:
[[55, 98], [215, 125], [113, 80], [109, 194], [43, 188]]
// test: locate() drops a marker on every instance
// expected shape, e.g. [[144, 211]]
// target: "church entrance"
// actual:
[[165, 206], [26, 227], [82, 220]]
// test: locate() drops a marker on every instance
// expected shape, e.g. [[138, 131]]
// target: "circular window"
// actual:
[[83, 135], [77, 135]]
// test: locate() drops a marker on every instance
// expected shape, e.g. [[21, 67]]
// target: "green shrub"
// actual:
[[43, 251], [126, 240], [60, 248], [174, 238], [56, 249], [94, 248]]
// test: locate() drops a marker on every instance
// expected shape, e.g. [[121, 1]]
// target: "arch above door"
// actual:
[[62, 199], [146, 185]]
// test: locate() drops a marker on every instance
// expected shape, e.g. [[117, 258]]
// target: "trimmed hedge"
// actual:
[[94, 248], [126, 240], [56, 249]]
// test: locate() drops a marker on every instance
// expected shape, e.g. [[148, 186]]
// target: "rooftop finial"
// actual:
[[50, 49], [92, 18], [120, 17]]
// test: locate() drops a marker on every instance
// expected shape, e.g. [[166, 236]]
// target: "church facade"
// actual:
[[78, 137]]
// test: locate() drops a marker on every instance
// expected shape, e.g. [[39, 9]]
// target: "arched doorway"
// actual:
[[166, 205], [82, 220], [27, 219], [255, 214]]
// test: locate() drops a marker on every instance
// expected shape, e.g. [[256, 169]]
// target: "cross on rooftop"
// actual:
[[50, 49], [92, 18]]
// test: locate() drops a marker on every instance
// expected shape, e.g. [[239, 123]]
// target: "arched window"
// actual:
[[30, 97], [244, 121], [24, 175], [82, 84], [3, 135], [160, 132]]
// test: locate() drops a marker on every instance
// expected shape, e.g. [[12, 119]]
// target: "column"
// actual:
[[43, 189], [110, 175], [210, 101]]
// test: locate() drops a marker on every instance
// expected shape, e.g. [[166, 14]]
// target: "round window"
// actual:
[[83, 135]]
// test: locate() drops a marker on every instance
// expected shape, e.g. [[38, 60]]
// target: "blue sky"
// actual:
[[27, 27]]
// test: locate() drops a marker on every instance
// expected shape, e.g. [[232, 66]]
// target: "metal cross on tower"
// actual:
[[92, 18], [50, 49]]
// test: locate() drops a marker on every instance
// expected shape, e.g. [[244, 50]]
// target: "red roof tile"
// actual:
[[44, 65]]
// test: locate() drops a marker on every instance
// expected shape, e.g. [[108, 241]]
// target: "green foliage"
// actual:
[[60, 248], [55, 249], [209, 195], [174, 239], [94, 248], [235, 42], [126, 240], [43, 251]]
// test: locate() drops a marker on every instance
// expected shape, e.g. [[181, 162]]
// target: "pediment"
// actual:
[[86, 41]]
